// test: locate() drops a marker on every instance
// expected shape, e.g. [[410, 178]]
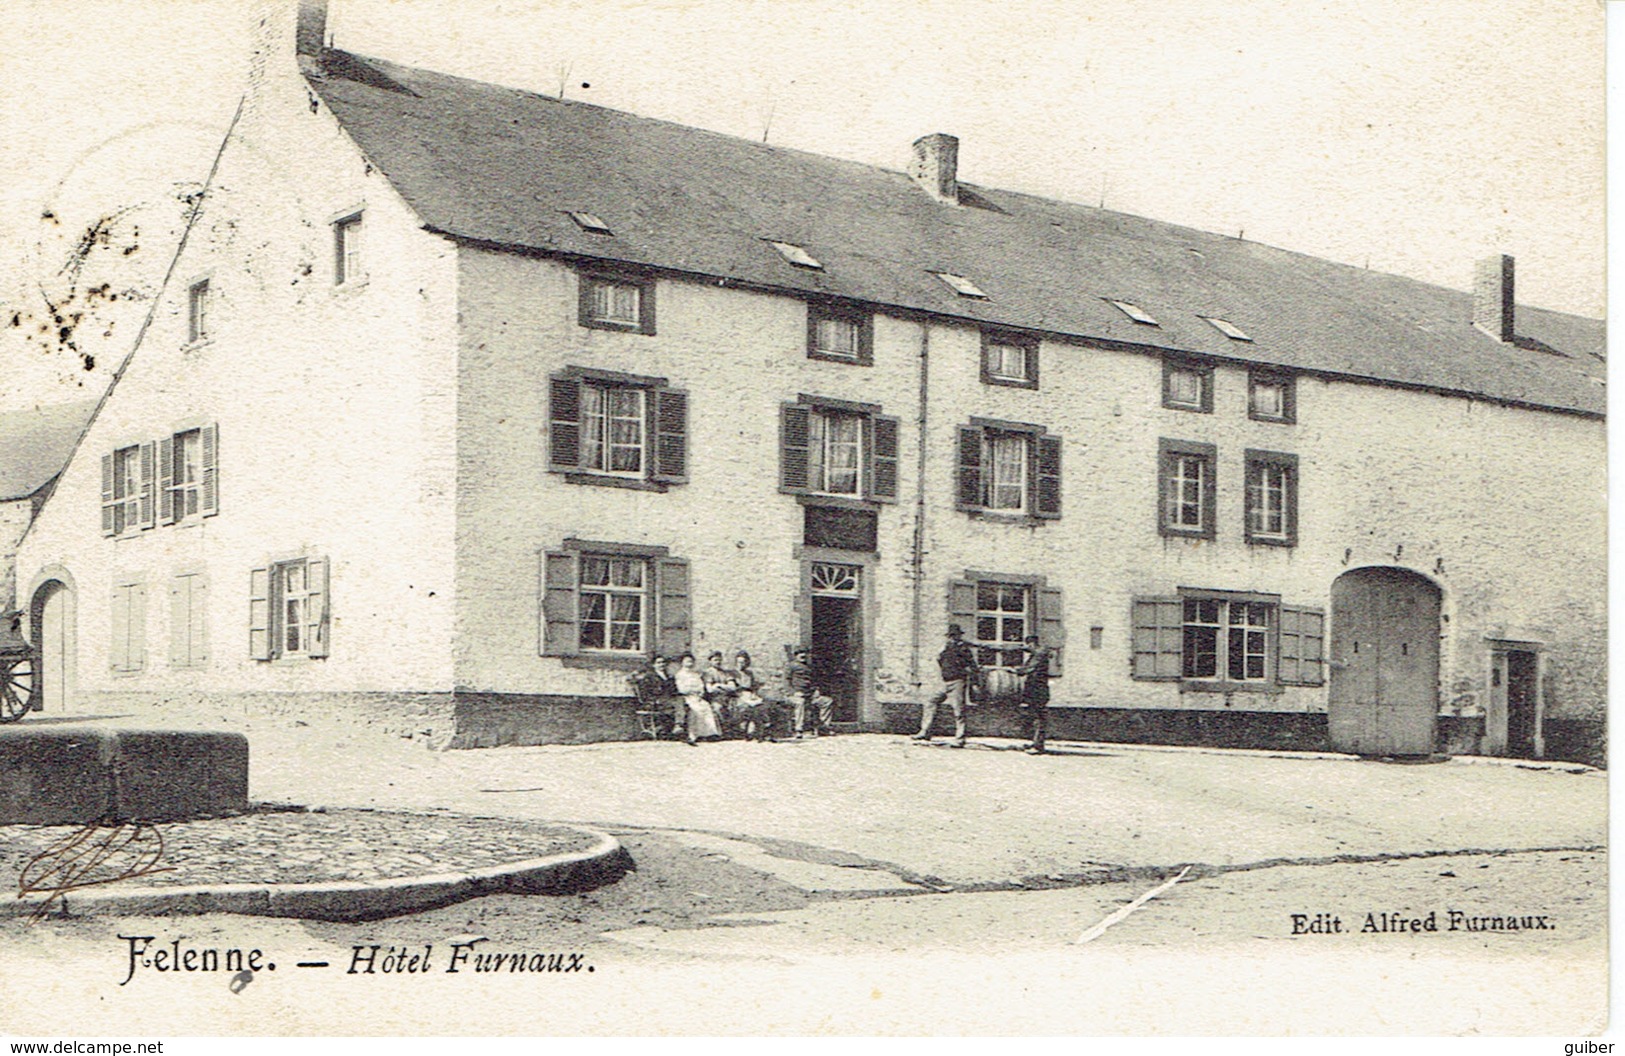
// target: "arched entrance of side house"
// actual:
[[1384, 693], [51, 615]]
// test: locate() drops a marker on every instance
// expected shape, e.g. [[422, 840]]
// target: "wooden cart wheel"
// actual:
[[16, 688]]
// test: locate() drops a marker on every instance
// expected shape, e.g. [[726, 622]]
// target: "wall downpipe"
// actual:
[[917, 556]]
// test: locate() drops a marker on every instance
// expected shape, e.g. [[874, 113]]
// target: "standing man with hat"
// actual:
[[1035, 675], [957, 661]]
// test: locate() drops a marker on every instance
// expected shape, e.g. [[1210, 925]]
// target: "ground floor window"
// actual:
[[1003, 616], [611, 602], [188, 624], [998, 610], [127, 640], [288, 609], [1227, 640]]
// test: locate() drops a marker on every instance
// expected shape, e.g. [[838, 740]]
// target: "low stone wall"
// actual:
[[427, 718], [65, 775], [1292, 731], [484, 720]]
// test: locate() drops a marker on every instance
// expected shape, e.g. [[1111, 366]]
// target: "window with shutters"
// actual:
[[289, 610], [1227, 641], [1009, 359], [1187, 386], [349, 266], [188, 620], [189, 474], [617, 301], [997, 611], [128, 482], [127, 637], [839, 450], [1272, 498], [1271, 397], [840, 333], [1009, 469], [617, 429], [603, 604], [1187, 489]]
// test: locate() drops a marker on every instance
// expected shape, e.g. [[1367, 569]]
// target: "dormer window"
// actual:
[[1134, 311], [794, 254], [961, 285], [616, 301], [1227, 328], [589, 222]]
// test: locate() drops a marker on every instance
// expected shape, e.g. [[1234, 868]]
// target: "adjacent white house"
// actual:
[[462, 401]]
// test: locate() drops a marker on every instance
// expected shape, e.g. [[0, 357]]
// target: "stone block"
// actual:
[[75, 775], [55, 775]]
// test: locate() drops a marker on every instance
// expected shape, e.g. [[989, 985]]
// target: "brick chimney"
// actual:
[[935, 166], [1492, 297], [311, 32]]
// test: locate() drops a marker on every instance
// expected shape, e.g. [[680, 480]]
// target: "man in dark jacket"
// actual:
[[655, 692], [798, 678], [957, 662], [1035, 675]]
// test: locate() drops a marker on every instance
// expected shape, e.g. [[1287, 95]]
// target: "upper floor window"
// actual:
[[1009, 359], [189, 472], [348, 264], [1226, 640], [197, 312], [1271, 397], [840, 333], [613, 603], [1187, 386], [288, 609], [613, 428], [837, 448], [617, 302], [1009, 468], [1186, 486], [127, 489], [1272, 498]]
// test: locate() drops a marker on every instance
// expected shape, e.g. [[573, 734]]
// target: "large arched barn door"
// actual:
[[1385, 670]]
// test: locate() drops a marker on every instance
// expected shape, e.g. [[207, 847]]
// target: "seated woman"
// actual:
[[719, 688], [750, 710], [702, 717]]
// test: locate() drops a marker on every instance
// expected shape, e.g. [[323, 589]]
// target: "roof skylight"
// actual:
[[796, 255], [960, 285], [1228, 329], [1134, 311], [589, 222]]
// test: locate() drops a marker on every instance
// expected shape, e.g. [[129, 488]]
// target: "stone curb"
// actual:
[[344, 900]]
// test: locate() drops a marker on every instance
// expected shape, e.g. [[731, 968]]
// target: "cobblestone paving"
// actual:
[[284, 847]]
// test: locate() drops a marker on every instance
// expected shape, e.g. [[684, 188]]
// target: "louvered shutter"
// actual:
[[318, 620], [1158, 629], [1047, 477], [259, 614], [674, 607], [561, 635], [1302, 660], [118, 643], [564, 424], [670, 430], [109, 514], [209, 489], [968, 496], [795, 438], [1051, 625], [883, 479], [149, 467], [180, 620], [137, 658], [962, 605], [166, 480]]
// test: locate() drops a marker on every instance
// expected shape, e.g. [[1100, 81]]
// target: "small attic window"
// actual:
[[1228, 329], [960, 285], [796, 255], [1133, 311], [589, 222]]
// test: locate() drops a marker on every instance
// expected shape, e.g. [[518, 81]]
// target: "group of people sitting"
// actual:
[[711, 703]]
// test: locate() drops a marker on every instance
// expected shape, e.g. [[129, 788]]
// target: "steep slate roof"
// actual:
[[500, 166], [35, 445]]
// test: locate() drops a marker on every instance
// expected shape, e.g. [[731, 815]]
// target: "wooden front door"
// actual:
[[1385, 671], [837, 637]]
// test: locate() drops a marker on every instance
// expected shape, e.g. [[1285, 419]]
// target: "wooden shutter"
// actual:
[[118, 642], [259, 614], [962, 605], [1051, 625], [669, 415], [795, 439], [561, 634], [883, 479], [136, 658], [209, 499], [1159, 626], [564, 424], [1302, 660], [109, 516], [166, 480], [180, 620], [149, 466], [674, 606], [317, 621], [968, 495], [1047, 477]]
